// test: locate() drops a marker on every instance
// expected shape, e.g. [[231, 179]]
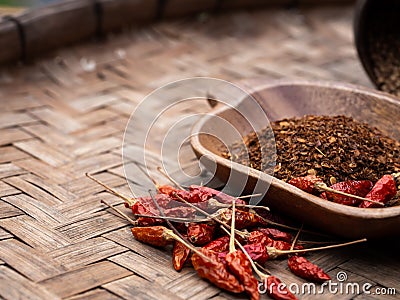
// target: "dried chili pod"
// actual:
[[217, 195], [306, 183], [243, 219], [200, 194], [257, 236], [276, 234], [180, 212], [384, 190], [240, 266], [220, 244], [174, 193], [354, 187], [200, 233], [167, 190], [303, 268], [143, 209], [257, 252], [154, 235], [145, 206], [277, 290], [281, 245], [162, 200], [194, 195], [222, 255], [190, 197], [180, 254], [215, 271]]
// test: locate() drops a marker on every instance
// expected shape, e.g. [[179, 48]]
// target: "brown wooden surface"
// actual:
[[66, 115]]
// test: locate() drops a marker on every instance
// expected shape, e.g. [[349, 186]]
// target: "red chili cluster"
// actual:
[[382, 191], [230, 271]]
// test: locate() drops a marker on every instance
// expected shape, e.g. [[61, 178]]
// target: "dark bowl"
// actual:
[[375, 21]]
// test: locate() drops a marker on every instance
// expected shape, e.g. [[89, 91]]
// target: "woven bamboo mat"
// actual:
[[66, 114]]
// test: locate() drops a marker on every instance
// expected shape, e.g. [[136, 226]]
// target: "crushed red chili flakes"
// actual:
[[335, 148]]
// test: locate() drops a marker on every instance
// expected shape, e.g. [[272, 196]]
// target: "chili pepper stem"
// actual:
[[232, 239], [134, 223], [113, 191], [325, 188], [275, 252], [296, 237], [316, 242], [248, 196]]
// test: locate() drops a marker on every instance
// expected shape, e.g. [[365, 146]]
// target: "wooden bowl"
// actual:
[[294, 99]]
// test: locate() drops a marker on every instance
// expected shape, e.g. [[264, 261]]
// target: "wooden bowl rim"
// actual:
[[365, 213]]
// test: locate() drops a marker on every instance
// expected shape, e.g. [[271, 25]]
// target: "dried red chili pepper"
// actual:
[[215, 271], [256, 236], [240, 266], [145, 206], [303, 268], [200, 193], [220, 244], [200, 233], [194, 195], [154, 235], [281, 245], [384, 190], [243, 219], [306, 183], [222, 255], [276, 234], [217, 195], [180, 254], [145, 209], [162, 200], [180, 212], [167, 190], [257, 252], [277, 290], [271, 246], [354, 187]]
